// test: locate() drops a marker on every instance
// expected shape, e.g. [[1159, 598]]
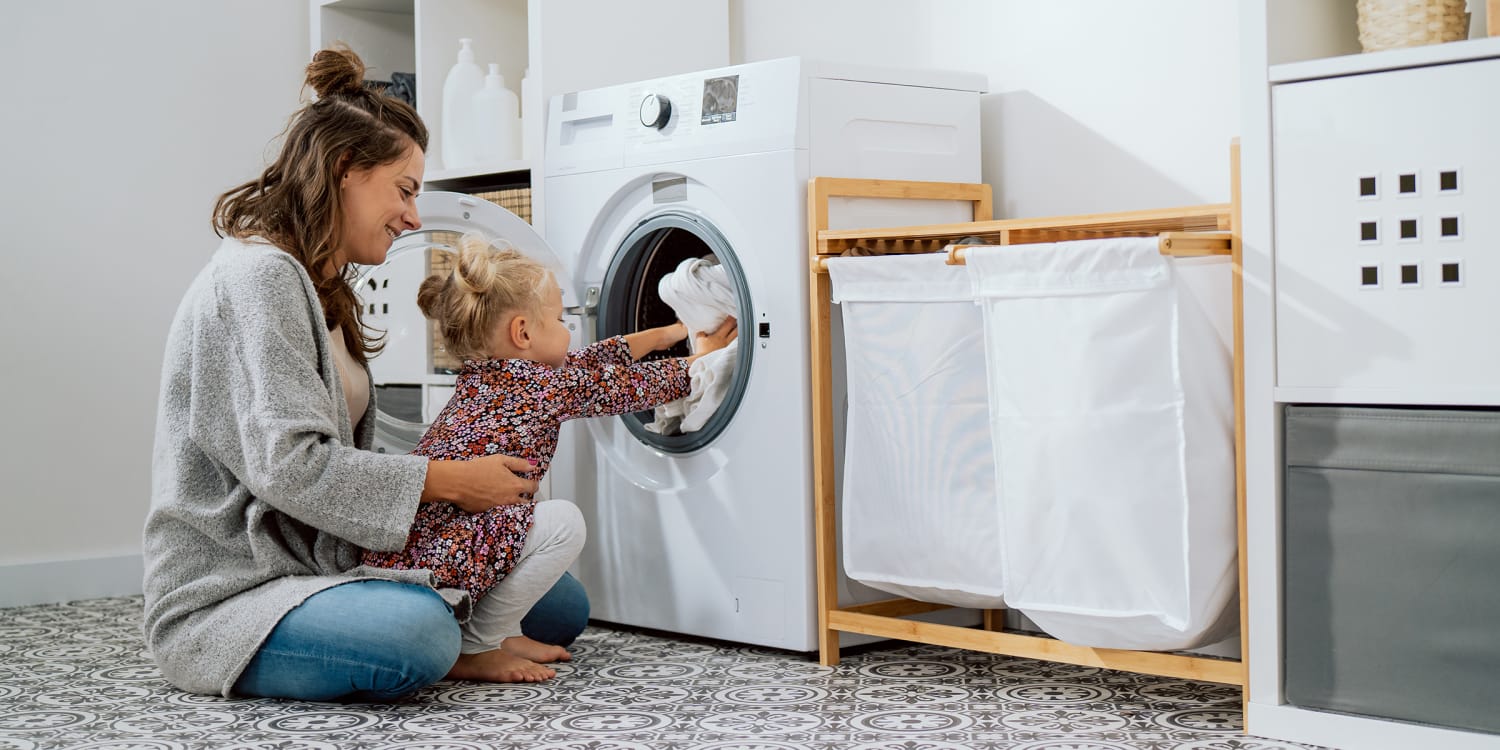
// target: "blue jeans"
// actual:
[[380, 640], [560, 615]]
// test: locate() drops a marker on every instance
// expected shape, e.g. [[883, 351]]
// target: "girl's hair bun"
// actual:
[[335, 71]]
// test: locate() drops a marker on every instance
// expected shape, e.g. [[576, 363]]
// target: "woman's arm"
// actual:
[[261, 409], [480, 483]]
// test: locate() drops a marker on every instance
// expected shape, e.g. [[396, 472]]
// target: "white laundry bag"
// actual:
[[1111, 410], [920, 514]]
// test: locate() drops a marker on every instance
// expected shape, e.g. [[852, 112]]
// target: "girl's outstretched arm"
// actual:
[[655, 339]]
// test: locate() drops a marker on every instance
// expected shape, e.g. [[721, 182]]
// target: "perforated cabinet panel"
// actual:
[[1387, 256]]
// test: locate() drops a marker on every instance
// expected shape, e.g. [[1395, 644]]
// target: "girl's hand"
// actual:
[[479, 484], [720, 338]]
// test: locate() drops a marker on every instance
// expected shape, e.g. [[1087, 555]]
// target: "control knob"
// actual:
[[656, 110]]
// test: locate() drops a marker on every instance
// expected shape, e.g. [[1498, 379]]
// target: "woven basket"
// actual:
[[1389, 24]]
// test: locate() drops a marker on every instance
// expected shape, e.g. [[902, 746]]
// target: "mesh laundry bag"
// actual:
[[1112, 415], [920, 516]]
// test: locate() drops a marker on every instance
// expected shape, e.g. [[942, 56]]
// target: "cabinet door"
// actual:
[[1387, 275]]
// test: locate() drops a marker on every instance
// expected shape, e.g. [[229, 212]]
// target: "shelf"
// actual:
[[1395, 59], [516, 168], [379, 6], [1435, 397]]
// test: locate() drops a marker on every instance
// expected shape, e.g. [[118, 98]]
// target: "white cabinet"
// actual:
[[1384, 188], [1337, 145], [566, 45]]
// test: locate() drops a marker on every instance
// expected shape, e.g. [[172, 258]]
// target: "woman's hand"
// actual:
[[720, 338], [479, 484]]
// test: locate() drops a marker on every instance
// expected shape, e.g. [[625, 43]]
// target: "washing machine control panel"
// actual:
[[726, 111]]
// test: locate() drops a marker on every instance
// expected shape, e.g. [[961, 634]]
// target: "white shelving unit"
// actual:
[[1284, 42], [566, 45]]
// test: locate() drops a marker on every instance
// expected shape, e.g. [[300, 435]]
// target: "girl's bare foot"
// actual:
[[536, 651], [499, 666]]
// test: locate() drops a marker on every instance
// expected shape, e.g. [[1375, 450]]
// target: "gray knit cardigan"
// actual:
[[259, 496]]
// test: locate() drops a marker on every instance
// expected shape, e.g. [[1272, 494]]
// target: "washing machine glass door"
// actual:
[[414, 373], [629, 301]]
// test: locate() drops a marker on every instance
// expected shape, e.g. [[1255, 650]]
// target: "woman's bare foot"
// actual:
[[499, 666], [532, 650]]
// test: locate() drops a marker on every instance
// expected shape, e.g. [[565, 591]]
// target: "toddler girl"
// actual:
[[501, 312]]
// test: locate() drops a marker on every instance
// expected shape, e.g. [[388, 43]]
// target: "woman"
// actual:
[[261, 501]]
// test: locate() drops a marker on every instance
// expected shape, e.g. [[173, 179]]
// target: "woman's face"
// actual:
[[378, 204]]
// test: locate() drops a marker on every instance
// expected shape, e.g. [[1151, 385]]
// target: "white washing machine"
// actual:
[[710, 533]]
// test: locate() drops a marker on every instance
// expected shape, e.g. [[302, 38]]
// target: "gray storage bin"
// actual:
[[1392, 563]]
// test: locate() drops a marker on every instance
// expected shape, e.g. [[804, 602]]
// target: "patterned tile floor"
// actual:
[[76, 676]]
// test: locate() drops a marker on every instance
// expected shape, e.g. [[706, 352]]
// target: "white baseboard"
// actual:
[[69, 580]]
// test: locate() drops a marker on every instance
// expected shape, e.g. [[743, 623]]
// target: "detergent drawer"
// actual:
[[1391, 550]]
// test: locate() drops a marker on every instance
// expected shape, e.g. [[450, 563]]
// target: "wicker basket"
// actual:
[[1389, 24]]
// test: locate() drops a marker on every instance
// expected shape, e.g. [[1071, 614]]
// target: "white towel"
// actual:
[[699, 292]]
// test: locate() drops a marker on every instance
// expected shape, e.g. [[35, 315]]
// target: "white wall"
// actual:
[[122, 123], [1094, 105]]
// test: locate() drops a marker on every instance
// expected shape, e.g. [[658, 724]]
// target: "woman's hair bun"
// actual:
[[337, 70]]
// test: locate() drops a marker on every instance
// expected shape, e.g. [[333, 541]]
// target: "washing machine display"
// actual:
[[721, 99]]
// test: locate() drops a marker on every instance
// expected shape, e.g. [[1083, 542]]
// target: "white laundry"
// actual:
[[1112, 415], [699, 292]]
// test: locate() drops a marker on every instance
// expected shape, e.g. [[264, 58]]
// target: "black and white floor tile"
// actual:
[[77, 676]]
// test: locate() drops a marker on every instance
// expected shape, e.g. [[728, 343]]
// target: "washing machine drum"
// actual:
[[414, 373], [629, 301]]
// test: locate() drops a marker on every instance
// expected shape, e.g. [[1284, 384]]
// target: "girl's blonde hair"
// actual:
[[490, 279]]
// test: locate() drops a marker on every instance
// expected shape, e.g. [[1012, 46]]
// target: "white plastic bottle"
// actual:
[[464, 79], [496, 116]]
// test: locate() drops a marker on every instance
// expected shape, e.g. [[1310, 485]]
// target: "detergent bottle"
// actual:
[[464, 79]]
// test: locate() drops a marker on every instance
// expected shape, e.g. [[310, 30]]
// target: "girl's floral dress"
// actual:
[[515, 406]]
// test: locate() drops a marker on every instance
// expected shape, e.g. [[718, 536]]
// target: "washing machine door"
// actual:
[[414, 373], [629, 301]]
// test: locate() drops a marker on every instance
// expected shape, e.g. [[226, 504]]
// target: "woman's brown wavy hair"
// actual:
[[296, 203]]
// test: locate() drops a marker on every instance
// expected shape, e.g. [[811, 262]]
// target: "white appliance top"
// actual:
[[738, 109]]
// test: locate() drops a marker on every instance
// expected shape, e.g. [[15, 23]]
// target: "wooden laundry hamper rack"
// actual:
[[1193, 230]]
